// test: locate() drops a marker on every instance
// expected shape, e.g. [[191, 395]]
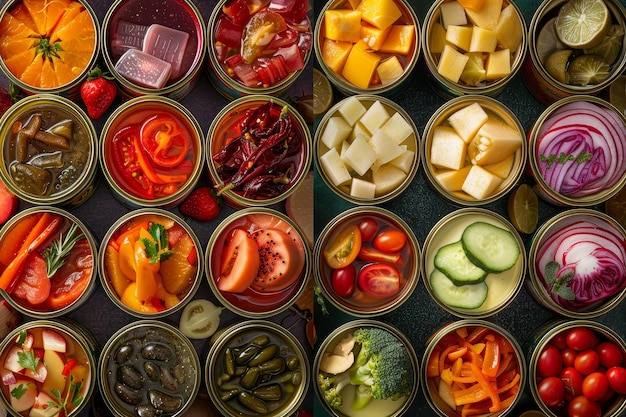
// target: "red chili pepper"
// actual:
[[69, 365], [127, 164], [165, 142]]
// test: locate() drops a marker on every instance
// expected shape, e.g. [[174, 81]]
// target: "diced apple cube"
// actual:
[[405, 161], [352, 110], [344, 147], [487, 16], [8, 377], [397, 128], [54, 363], [360, 65], [343, 25], [447, 149], [334, 167], [335, 54], [452, 179], [389, 70], [39, 374], [467, 120], [498, 64], [494, 142], [452, 13], [25, 341], [385, 148], [459, 36], [509, 29], [480, 183], [399, 40], [359, 129], [375, 116], [42, 406], [387, 178], [28, 391], [12, 359], [503, 168], [451, 63], [437, 38], [380, 13], [373, 36], [362, 189], [336, 131], [360, 155], [483, 40]]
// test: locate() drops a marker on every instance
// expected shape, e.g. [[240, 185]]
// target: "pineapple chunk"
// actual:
[[379, 13], [452, 179], [360, 65], [483, 40], [343, 25], [373, 36], [447, 149], [362, 189], [375, 116], [498, 64], [451, 63], [503, 168], [480, 183], [334, 167], [405, 161], [386, 149], [397, 128], [399, 40], [360, 155], [389, 70], [474, 72], [335, 54], [336, 131], [487, 16], [468, 120], [437, 38], [452, 13], [460, 36], [494, 142], [352, 110], [509, 29], [387, 178]]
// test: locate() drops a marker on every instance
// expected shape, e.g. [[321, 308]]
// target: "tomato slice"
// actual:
[[200, 319], [379, 280], [240, 263], [259, 32], [164, 140], [344, 248], [33, 284]]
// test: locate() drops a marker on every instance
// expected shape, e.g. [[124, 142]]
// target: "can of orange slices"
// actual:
[[554, 70], [41, 58]]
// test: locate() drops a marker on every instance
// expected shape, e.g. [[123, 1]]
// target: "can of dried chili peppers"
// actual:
[[258, 151]]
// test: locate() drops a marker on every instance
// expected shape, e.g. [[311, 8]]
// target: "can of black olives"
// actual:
[[49, 148], [148, 368], [257, 367]]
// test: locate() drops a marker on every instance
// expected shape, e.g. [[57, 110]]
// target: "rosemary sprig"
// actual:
[[72, 397], [56, 254]]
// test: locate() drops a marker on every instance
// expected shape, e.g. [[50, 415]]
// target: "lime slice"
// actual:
[[322, 93], [582, 23], [474, 71], [547, 41], [556, 65], [588, 70], [617, 93], [523, 209], [610, 46]]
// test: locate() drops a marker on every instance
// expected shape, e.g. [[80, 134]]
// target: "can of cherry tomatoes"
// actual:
[[550, 79]]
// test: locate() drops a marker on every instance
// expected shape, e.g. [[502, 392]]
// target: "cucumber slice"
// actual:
[[490, 247], [460, 296], [454, 263]]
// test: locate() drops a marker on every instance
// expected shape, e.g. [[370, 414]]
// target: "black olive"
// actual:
[[129, 375], [157, 351], [127, 394]]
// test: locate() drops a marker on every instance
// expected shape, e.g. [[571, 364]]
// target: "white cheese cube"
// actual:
[[375, 116], [336, 131], [359, 129], [468, 120], [386, 149], [334, 168], [362, 189], [480, 183], [351, 109], [405, 161], [360, 156], [387, 178], [447, 149], [397, 128]]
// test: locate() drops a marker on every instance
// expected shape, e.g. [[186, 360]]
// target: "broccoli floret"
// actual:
[[331, 386], [382, 368]]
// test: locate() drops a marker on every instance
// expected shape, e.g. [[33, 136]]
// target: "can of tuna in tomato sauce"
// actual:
[[544, 81]]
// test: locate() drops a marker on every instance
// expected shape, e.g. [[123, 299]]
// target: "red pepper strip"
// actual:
[[462, 332], [510, 385], [491, 359], [444, 356], [474, 409], [477, 334], [486, 385], [476, 347], [504, 363], [471, 395], [432, 366], [125, 160], [145, 225], [473, 357], [157, 303], [144, 164], [164, 141], [457, 353], [449, 377], [69, 365]]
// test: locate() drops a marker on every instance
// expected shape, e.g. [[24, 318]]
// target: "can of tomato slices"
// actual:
[[151, 152], [557, 278], [67, 283], [554, 335]]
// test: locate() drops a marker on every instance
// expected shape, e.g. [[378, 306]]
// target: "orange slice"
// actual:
[[12, 27], [54, 12], [73, 9], [20, 12], [32, 73], [37, 10], [14, 46], [17, 64]]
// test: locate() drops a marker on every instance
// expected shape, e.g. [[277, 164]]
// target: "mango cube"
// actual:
[[437, 38], [360, 156], [343, 25], [397, 128], [459, 36], [447, 149], [362, 189], [336, 131], [509, 29], [487, 15], [389, 70], [352, 110], [452, 13], [360, 65], [373, 36], [452, 179], [335, 54], [375, 116], [498, 64], [379, 13], [334, 167], [400, 40], [480, 183], [467, 120], [494, 142], [451, 64], [483, 40]]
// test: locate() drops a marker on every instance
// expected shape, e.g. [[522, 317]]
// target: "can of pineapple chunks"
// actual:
[[372, 61], [459, 67], [550, 81]]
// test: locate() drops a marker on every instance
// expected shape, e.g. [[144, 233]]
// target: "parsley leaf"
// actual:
[[27, 360], [18, 391], [559, 284], [562, 158], [72, 397], [157, 249]]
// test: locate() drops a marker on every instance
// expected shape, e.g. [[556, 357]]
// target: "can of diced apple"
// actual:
[[469, 51], [549, 77]]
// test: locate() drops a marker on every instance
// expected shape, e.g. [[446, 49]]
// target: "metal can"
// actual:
[[403, 265], [82, 273], [431, 382], [150, 178], [495, 177], [127, 28], [549, 283], [149, 366], [543, 41], [289, 167], [613, 406], [222, 72], [447, 85], [167, 283], [388, 132], [275, 369], [379, 407], [404, 58], [72, 47], [501, 287], [52, 337], [589, 174], [253, 286], [62, 171]]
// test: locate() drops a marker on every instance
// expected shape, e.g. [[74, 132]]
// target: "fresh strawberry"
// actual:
[[98, 92], [201, 205], [8, 203]]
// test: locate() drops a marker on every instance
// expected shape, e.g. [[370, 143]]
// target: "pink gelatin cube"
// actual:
[[167, 44], [128, 36], [143, 69]]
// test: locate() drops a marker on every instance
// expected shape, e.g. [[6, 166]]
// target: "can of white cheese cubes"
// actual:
[[367, 47], [473, 47], [554, 70], [366, 149], [474, 150]]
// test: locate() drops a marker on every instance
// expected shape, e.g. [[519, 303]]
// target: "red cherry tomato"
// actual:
[[582, 407], [343, 248], [379, 280], [368, 227], [390, 241], [343, 280], [559, 340], [617, 379], [573, 381], [610, 354], [552, 391], [569, 355], [587, 361], [581, 338], [595, 386], [549, 362]]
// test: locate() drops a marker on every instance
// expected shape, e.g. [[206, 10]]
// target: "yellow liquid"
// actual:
[[374, 407]]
